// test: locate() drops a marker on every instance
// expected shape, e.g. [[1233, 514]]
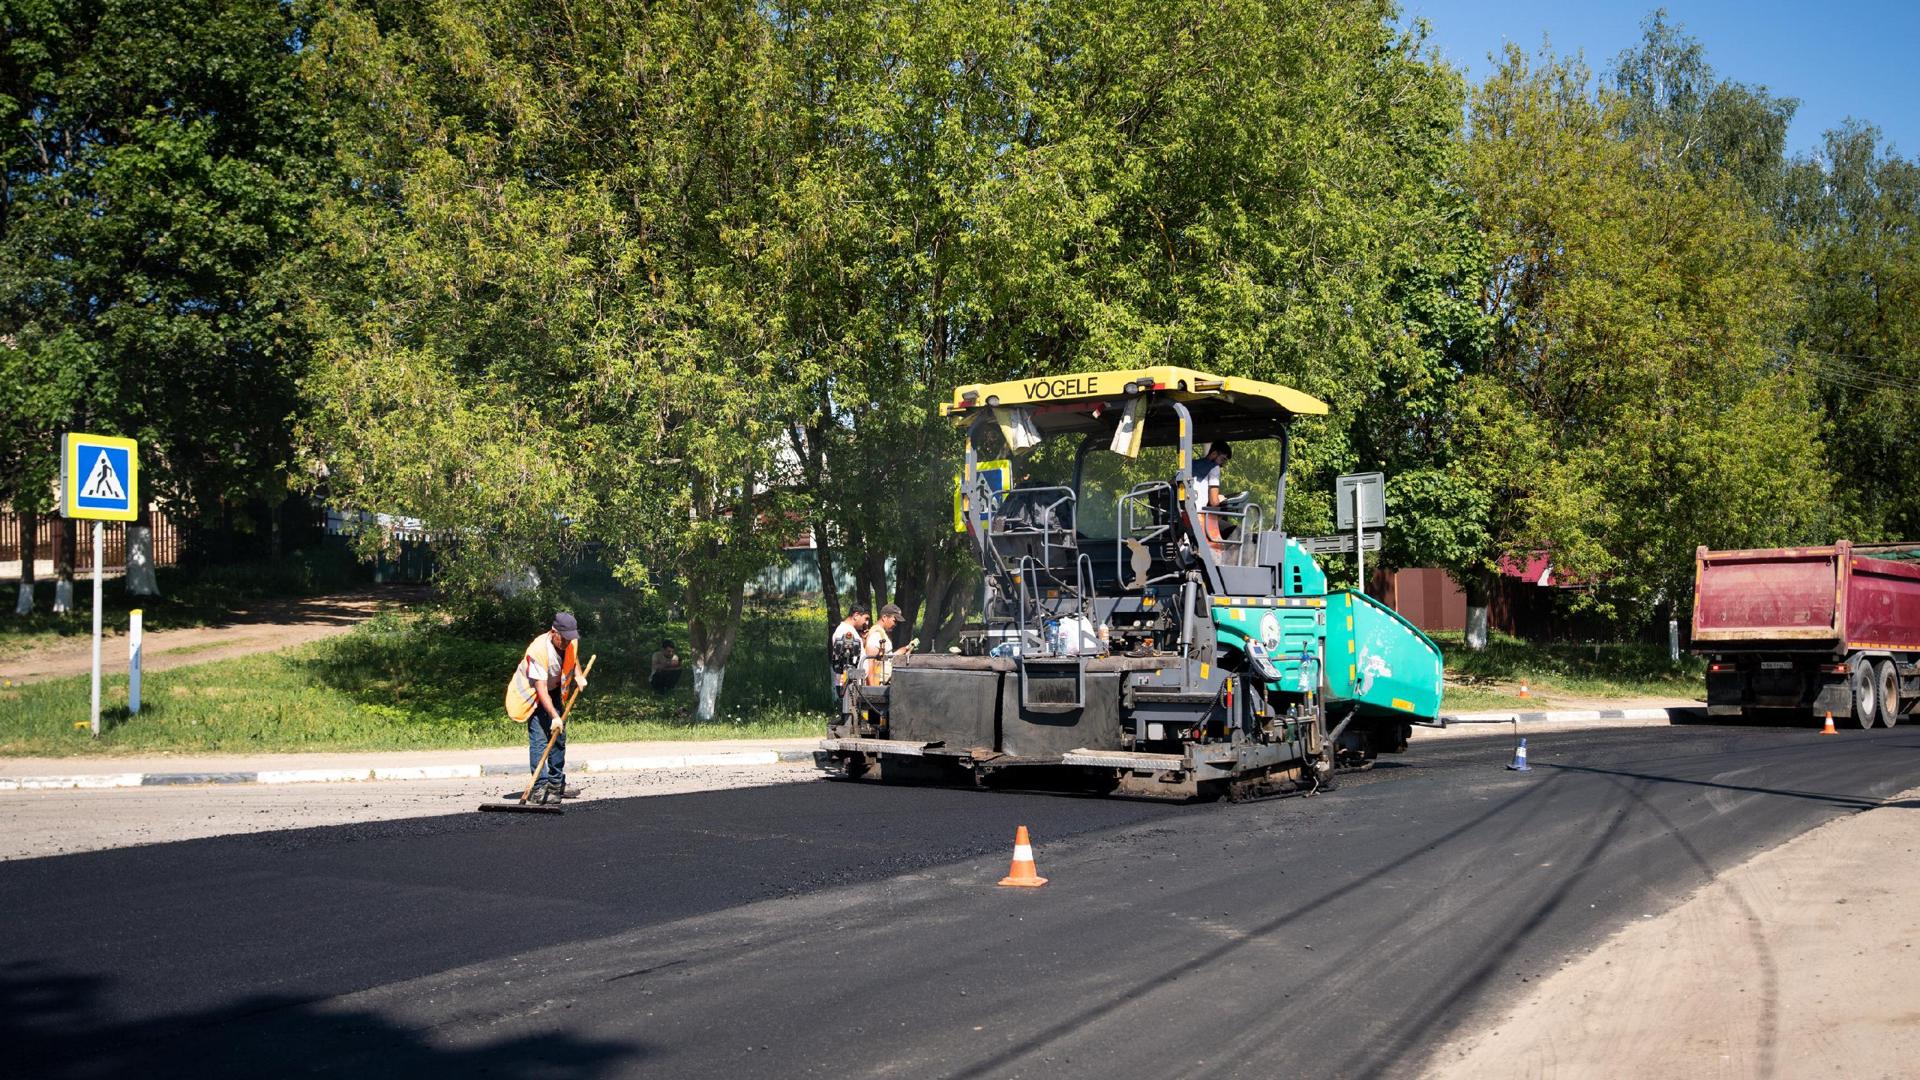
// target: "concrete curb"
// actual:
[[1677, 713], [411, 772]]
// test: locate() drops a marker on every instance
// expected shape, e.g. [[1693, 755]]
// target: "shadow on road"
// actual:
[[1855, 801], [56, 1025]]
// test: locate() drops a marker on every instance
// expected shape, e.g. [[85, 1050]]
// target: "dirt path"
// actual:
[[262, 627], [1803, 961]]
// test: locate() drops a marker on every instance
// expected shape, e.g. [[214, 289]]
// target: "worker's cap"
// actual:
[[568, 626], [891, 609]]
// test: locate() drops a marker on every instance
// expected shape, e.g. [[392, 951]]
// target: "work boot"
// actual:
[[569, 791]]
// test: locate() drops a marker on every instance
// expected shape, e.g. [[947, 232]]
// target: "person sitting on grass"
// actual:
[[666, 668]]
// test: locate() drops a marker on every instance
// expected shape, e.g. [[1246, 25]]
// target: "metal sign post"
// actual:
[[1365, 508], [99, 482], [99, 556]]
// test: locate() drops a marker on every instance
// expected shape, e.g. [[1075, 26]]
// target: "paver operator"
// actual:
[[534, 695], [844, 651], [1206, 489], [880, 651]]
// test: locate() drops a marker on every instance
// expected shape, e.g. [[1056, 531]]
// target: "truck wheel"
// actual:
[[1887, 681], [1861, 681]]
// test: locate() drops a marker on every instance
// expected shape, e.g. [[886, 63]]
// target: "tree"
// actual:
[[1252, 187], [158, 164], [1632, 402], [1685, 116], [538, 295], [1855, 211]]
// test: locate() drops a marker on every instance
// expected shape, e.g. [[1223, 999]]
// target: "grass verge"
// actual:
[[1491, 678], [411, 681]]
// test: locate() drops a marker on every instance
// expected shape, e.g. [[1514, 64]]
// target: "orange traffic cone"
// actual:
[[1828, 730], [1022, 872], [1523, 689]]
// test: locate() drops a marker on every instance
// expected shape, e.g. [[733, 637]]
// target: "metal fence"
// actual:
[[166, 543]]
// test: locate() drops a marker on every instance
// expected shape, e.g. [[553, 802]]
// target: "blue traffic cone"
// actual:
[[1519, 762]]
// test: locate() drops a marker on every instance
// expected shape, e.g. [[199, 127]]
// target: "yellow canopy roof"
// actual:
[[1184, 384]]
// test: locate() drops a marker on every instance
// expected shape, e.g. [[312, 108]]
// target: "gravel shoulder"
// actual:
[[1803, 961]]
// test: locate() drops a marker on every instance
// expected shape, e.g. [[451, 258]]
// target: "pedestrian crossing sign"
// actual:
[[99, 477]]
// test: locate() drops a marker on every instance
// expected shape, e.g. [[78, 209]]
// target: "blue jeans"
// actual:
[[539, 726]]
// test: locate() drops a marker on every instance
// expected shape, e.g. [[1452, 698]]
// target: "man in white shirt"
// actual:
[[844, 649], [1206, 492]]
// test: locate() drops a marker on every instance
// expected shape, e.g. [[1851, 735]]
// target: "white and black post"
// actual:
[[134, 643], [99, 556]]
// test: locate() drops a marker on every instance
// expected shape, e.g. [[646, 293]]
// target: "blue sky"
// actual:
[[1841, 58]]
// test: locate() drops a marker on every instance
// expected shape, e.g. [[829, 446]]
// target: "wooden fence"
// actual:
[[166, 542]]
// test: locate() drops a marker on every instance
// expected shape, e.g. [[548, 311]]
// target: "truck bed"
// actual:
[[1828, 599]]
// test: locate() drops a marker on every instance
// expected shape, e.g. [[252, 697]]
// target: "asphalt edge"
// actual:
[[669, 761], [406, 772]]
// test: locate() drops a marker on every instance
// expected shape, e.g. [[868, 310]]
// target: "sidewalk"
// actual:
[[1799, 962], [154, 771]]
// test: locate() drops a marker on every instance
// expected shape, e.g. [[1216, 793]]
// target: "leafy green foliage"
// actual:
[[158, 164], [1630, 405], [1856, 214]]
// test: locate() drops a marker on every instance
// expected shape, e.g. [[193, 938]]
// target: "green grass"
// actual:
[[188, 597], [416, 681], [1491, 678]]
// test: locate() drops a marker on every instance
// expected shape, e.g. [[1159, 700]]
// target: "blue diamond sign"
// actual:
[[99, 477]]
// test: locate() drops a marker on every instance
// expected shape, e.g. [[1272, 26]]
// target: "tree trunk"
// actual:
[[29, 554], [829, 588], [1478, 589], [877, 576], [939, 576], [955, 601], [910, 588], [140, 577], [63, 544], [869, 585], [712, 647]]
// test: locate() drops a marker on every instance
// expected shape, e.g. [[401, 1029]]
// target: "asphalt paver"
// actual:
[[855, 930]]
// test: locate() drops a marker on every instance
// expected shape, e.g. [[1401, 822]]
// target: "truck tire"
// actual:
[[1887, 692], [1863, 684]]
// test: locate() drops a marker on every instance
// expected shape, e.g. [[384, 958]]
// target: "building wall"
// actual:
[[1426, 596]]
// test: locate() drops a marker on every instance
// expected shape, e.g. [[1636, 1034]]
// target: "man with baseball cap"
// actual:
[[535, 694], [880, 653]]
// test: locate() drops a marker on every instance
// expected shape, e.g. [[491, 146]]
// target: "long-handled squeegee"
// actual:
[[523, 806]]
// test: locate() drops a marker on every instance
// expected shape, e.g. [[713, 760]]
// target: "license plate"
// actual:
[[1776, 665]]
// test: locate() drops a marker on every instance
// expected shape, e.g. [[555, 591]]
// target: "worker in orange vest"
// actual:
[[551, 661]]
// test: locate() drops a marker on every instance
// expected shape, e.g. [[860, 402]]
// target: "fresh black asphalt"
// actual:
[[854, 930]]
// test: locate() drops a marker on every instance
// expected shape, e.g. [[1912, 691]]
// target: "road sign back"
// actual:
[[99, 477]]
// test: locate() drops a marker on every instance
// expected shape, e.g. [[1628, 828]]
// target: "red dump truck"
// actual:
[[1815, 629]]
